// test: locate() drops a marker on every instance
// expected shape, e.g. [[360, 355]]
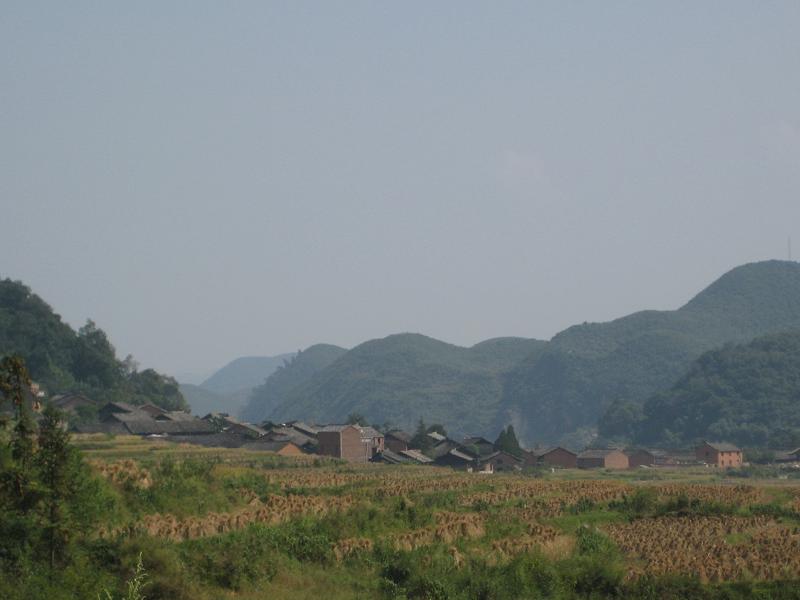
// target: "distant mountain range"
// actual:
[[229, 388], [634, 377], [546, 389]]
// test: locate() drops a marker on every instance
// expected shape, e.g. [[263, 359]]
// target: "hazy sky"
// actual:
[[211, 180]]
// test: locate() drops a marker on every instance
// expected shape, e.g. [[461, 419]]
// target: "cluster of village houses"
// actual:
[[362, 444]]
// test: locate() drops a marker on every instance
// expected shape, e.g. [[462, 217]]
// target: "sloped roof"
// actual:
[[333, 428], [436, 436], [370, 432], [393, 457], [475, 440], [305, 428], [151, 426], [120, 407], [597, 452], [539, 452], [458, 454], [399, 434], [723, 447], [288, 433], [269, 445], [416, 456]]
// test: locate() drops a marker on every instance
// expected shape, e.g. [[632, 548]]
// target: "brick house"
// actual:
[[502, 461], [553, 457], [719, 454], [602, 459], [343, 441]]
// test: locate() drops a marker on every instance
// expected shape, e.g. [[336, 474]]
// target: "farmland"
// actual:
[[216, 523]]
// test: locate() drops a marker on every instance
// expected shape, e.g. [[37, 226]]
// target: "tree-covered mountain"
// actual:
[[588, 367], [748, 394], [61, 359], [244, 373], [401, 377], [293, 374], [546, 389]]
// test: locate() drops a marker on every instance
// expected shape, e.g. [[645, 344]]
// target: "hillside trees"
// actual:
[[61, 359], [507, 441], [747, 394], [48, 496]]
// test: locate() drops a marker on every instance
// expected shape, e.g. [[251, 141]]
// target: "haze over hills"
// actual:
[[244, 373], [401, 377], [546, 389], [288, 377], [229, 388]]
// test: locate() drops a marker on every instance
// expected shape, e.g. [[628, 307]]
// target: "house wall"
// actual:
[[589, 462], [352, 448], [395, 445], [329, 444], [505, 462], [640, 458], [616, 460], [712, 456], [559, 458]]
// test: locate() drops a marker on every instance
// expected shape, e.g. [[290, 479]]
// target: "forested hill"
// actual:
[[587, 367], [546, 389], [399, 378], [293, 374], [748, 394], [61, 359], [244, 373]]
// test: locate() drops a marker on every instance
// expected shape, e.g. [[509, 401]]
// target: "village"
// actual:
[[355, 443]]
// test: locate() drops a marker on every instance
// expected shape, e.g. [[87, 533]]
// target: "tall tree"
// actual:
[[53, 462], [507, 441]]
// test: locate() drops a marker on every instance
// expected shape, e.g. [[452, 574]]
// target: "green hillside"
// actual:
[[546, 389], [748, 394], [244, 373], [587, 367], [291, 375], [61, 359], [399, 378]]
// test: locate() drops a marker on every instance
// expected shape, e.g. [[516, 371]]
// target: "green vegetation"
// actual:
[[507, 441], [400, 376], [296, 372], [588, 367], [61, 359], [553, 391], [747, 394]]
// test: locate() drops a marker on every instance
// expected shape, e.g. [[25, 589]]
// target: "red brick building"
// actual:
[[719, 454], [554, 457], [343, 441]]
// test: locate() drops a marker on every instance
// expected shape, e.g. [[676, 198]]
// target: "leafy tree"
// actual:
[[507, 441], [420, 438], [53, 462]]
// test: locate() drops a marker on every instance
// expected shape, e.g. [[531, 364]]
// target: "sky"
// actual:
[[208, 180]]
